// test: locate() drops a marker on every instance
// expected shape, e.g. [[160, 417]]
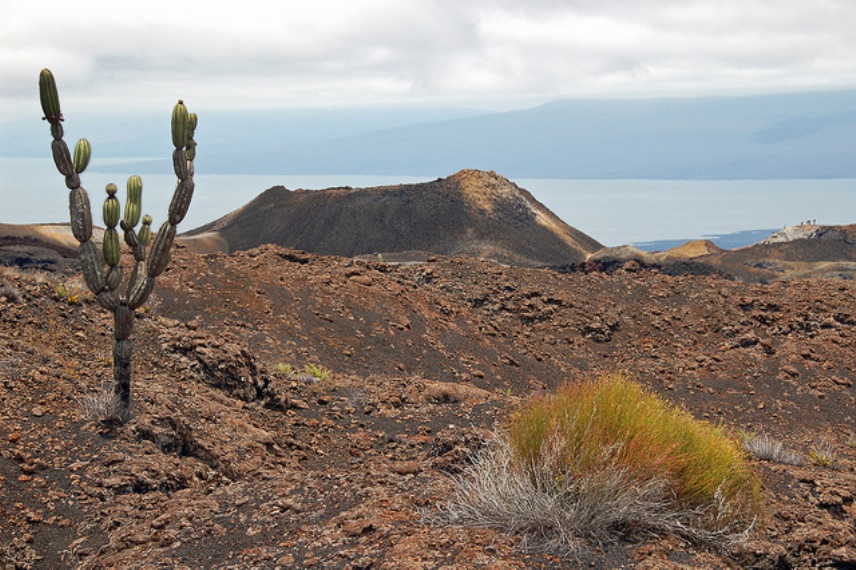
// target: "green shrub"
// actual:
[[822, 454], [316, 371], [604, 458], [68, 293]]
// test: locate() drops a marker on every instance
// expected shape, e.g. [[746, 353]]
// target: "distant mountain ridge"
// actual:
[[480, 214], [797, 135], [787, 136]]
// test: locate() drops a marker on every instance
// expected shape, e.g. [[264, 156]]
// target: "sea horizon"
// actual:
[[650, 214]]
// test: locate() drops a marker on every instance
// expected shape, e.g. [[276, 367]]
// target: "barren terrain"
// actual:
[[235, 458]]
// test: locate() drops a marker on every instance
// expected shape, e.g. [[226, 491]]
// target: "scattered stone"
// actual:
[[406, 467]]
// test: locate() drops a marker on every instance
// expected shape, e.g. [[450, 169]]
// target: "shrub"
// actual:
[[316, 371], [822, 454], [102, 406], [68, 293], [767, 448], [10, 293], [606, 458]]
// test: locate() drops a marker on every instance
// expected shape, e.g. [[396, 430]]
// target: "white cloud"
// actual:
[[493, 53]]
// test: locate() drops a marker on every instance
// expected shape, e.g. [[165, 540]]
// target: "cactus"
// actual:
[[82, 154], [149, 261]]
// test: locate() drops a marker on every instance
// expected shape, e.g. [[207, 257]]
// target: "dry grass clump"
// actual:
[[767, 448], [605, 459], [10, 294], [102, 406]]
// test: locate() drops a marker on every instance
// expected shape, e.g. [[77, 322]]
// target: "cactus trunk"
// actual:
[[122, 376]]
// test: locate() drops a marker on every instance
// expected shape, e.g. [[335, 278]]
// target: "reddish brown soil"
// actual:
[[229, 463]]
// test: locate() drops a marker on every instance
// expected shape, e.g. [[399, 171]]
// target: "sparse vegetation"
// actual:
[[822, 454], [316, 371], [767, 448], [10, 293], [606, 457], [68, 293], [310, 372], [102, 406]]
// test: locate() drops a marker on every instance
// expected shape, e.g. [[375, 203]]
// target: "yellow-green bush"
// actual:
[[613, 423], [606, 457]]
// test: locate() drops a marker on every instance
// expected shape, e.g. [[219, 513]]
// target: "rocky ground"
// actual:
[[235, 457]]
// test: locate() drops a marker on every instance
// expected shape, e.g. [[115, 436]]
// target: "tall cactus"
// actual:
[[149, 262]]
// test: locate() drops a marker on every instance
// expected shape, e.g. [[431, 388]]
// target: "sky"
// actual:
[[486, 54]]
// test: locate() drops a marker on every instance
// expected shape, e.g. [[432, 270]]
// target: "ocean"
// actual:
[[649, 213]]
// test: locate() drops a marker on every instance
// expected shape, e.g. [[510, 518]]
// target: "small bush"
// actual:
[[606, 458], [767, 448], [10, 293], [103, 406], [822, 454], [316, 371], [68, 293]]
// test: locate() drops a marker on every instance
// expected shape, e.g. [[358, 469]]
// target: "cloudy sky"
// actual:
[[494, 54]]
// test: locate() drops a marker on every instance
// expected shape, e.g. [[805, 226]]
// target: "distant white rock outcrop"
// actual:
[[791, 233]]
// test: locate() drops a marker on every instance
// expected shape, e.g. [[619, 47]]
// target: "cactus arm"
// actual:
[[179, 125], [82, 154], [81, 214], [49, 97], [159, 253], [133, 203], [62, 157], [146, 230], [181, 200], [92, 264]]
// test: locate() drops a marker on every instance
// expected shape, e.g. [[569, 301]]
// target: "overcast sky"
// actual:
[[493, 54]]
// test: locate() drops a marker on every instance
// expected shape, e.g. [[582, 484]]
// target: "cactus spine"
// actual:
[[149, 262]]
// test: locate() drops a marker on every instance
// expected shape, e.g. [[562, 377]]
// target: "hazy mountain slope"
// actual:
[[783, 136], [474, 213], [147, 134], [801, 135]]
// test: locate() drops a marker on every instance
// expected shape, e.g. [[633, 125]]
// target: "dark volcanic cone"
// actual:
[[480, 214]]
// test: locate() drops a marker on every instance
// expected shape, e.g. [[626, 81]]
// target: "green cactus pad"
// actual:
[[49, 96], [111, 207], [82, 154], [111, 246], [146, 230], [179, 125], [133, 204]]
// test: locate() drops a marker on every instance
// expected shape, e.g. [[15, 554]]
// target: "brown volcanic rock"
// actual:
[[479, 214], [795, 252], [40, 246], [691, 249], [228, 462]]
